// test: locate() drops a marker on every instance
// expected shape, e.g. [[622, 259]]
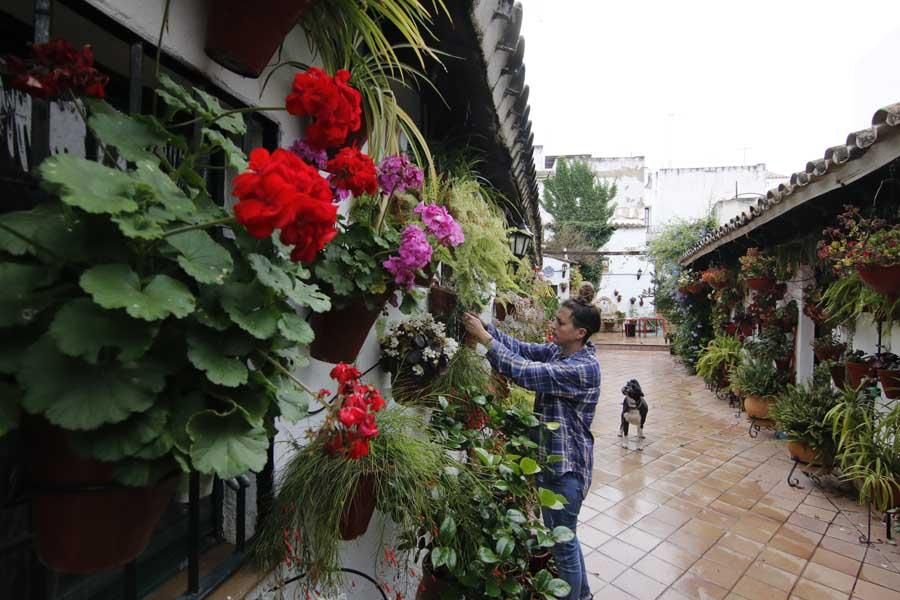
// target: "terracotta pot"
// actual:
[[890, 382], [341, 332], [242, 36], [358, 509], [884, 280], [856, 372], [100, 526], [441, 301], [839, 375], [757, 406], [803, 452], [746, 328], [694, 288], [760, 284], [783, 364], [829, 353], [499, 311]]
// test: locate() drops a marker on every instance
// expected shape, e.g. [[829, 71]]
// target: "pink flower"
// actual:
[[414, 254], [398, 174], [441, 224]]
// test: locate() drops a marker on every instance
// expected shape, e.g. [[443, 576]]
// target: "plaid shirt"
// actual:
[[567, 390]]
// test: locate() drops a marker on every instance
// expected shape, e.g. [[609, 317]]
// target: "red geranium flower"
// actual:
[[332, 104], [55, 68], [280, 191], [359, 448], [342, 373], [352, 170]]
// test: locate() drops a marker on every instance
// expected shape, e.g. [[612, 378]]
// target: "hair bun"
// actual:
[[585, 293]]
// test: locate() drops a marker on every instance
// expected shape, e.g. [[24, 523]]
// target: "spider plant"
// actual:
[[848, 298], [718, 358], [800, 412]]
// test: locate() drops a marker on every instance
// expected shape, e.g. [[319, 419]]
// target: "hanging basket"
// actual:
[[884, 280], [83, 520], [830, 352], [358, 508], [757, 407], [856, 372], [341, 332], [242, 36], [760, 284], [890, 383], [441, 301]]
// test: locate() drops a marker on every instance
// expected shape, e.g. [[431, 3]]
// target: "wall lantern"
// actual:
[[639, 273], [520, 242]]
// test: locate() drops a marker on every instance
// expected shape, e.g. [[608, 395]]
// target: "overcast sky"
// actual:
[[699, 83]]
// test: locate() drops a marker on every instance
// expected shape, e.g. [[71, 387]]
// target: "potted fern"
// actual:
[[717, 360], [800, 412]]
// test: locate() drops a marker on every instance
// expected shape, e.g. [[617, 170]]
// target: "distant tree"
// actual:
[[665, 250], [577, 199], [570, 238]]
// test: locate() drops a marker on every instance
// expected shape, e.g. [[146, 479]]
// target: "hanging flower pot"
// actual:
[[499, 311], [760, 284], [884, 280], [757, 406], [83, 520], [856, 372], [358, 508], [731, 328], [890, 382], [838, 375], [441, 301], [783, 364], [746, 328], [242, 36], [341, 332]]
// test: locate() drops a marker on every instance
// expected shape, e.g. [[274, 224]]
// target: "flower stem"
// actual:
[[31, 242], [235, 111], [292, 377], [207, 225]]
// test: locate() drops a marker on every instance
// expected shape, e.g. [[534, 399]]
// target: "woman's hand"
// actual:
[[476, 328]]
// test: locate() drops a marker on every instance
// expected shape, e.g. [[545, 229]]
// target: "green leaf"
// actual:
[[448, 529], [49, 225], [128, 135], [140, 226], [117, 286], [207, 355], [492, 588], [183, 410], [165, 192], [20, 300], [512, 587], [234, 156], [281, 279], [76, 395], [294, 328], [552, 425], [558, 588], [231, 123], [487, 556], [88, 185], [248, 307], [83, 329], [562, 534], [529, 466], [13, 344], [226, 443], [516, 516], [550, 499], [293, 402], [125, 439], [505, 547], [484, 456], [10, 412], [201, 257], [439, 556]]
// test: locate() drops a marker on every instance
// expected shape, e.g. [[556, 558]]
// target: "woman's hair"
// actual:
[[584, 313]]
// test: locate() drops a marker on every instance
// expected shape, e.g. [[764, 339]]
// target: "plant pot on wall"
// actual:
[[83, 520], [890, 382], [760, 284], [884, 280], [242, 36], [341, 332], [856, 372], [838, 375], [358, 508]]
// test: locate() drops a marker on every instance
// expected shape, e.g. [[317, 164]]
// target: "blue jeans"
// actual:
[[569, 559]]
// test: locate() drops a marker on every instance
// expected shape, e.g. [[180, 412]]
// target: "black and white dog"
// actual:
[[634, 411]]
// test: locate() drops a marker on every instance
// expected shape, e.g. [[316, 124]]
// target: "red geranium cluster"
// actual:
[[355, 424], [352, 170], [332, 104], [55, 68], [280, 191]]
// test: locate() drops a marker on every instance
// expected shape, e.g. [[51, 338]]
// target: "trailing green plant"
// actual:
[[800, 412], [756, 376], [411, 472], [868, 447], [467, 376], [848, 298], [720, 356]]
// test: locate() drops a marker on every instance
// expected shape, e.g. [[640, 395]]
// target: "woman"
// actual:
[[566, 378]]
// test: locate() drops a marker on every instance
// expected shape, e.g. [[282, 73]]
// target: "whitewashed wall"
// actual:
[[621, 275], [557, 272]]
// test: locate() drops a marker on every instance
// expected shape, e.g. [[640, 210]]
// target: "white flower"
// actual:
[[418, 370]]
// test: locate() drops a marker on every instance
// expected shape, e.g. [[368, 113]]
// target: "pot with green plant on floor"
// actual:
[[146, 341], [829, 347], [717, 360], [800, 412], [759, 382], [364, 457], [868, 245], [757, 270]]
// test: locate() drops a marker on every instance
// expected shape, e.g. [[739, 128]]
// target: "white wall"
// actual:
[[621, 274], [556, 272]]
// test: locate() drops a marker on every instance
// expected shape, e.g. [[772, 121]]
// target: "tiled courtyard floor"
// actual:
[[704, 511]]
